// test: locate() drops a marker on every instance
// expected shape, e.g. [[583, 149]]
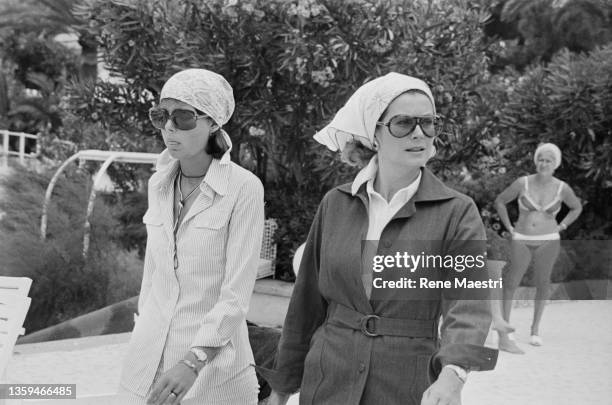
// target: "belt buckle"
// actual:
[[365, 326]]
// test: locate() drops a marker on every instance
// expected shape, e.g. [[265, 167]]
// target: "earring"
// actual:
[[375, 144]]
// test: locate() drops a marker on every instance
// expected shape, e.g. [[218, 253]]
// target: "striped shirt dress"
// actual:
[[197, 285]]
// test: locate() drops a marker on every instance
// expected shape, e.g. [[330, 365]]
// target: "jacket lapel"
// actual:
[[430, 189], [362, 303]]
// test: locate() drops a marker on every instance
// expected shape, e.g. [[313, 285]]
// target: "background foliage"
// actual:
[[66, 285], [569, 103], [291, 65], [534, 30], [506, 75]]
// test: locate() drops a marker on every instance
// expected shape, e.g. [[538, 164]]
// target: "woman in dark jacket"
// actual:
[[349, 339]]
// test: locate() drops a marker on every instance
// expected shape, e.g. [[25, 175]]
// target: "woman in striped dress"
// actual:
[[204, 227]]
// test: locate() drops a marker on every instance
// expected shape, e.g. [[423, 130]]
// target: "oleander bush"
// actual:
[[292, 64], [568, 102], [532, 31]]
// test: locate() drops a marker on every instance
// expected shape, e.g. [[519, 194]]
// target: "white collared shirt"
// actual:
[[380, 212]]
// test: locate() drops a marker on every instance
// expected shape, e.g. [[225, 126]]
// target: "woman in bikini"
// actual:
[[535, 235]]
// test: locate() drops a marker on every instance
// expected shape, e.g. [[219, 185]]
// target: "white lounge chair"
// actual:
[[14, 305]]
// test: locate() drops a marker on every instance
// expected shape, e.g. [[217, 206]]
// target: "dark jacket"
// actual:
[[335, 364]]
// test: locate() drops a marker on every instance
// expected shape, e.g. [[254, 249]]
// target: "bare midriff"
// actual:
[[535, 223]]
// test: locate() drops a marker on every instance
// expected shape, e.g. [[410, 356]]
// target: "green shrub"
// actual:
[[569, 103], [65, 284], [292, 64]]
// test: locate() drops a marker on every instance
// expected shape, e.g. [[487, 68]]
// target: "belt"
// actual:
[[373, 325]]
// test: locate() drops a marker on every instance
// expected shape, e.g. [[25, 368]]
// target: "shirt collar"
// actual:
[[430, 188], [365, 174], [402, 196], [368, 174], [217, 176]]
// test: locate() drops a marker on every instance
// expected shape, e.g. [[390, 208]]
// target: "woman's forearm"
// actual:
[[502, 211], [571, 216], [211, 353]]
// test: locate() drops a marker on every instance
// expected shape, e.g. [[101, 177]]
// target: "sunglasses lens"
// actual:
[[158, 117], [184, 120], [429, 126], [402, 125]]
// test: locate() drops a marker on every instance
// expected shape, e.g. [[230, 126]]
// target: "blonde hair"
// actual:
[[548, 147], [356, 154]]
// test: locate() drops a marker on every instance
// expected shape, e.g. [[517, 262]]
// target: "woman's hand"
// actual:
[[172, 386], [277, 398], [445, 391]]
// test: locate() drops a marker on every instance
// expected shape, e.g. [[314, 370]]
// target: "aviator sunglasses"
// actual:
[[403, 125], [184, 120]]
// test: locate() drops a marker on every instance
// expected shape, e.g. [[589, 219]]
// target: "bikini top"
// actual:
[[526, 203]]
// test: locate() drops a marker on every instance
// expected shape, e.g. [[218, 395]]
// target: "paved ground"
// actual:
[[574, 367]]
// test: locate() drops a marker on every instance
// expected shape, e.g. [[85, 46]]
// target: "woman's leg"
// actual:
[[545, 257], [495, 273], [520, 256]]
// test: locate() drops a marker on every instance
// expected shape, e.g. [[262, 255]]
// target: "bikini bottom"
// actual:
[[534, 241], [543, 252]]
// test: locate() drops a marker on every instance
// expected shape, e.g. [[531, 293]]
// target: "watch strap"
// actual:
[[190, 364]]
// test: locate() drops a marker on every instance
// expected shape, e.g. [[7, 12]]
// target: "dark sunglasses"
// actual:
[[184, 120], [403, 125]]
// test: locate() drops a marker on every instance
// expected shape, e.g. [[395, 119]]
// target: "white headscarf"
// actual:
[[357, 118], [548, 147], [206, 91]]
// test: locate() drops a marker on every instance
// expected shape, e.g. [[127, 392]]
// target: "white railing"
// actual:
[[5, 150], [105, 156]]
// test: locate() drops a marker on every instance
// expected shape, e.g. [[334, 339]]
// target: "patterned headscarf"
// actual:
[[204, 90], [357, 118], [548, 147]]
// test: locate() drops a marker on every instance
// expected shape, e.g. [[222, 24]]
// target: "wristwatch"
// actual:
[[200, 354], [461, 373]]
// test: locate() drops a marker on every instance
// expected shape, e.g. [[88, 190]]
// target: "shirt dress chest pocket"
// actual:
[[212, 219], [156, 238], [206, 232]]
